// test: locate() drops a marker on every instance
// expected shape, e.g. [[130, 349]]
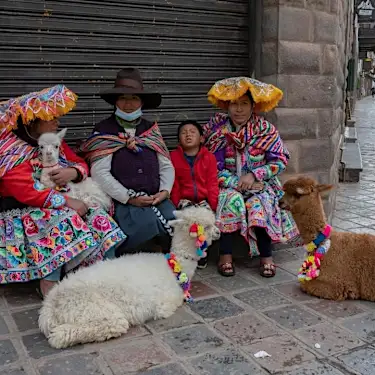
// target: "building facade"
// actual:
[[305, 49]]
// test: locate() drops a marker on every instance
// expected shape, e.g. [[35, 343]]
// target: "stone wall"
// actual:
[[306, 45]]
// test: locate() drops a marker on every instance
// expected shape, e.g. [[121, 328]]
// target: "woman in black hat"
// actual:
[[130, 161]]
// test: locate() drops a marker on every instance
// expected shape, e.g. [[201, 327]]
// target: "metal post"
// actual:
[[255, 12], [252, 33]]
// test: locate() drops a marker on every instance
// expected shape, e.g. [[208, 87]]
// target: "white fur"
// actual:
[[102, 301], [87, 190]]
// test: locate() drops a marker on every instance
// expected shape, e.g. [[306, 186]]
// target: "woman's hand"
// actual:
[[257, 186], [63, 175], [77, 205], [142, 201], [160, 197], [246, 182]]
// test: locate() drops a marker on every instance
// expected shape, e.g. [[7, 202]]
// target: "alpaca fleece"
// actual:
[[102, 301], [88, 191], [348, 269]]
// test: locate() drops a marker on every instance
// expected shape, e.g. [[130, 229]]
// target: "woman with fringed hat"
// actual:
[[130, 161], [250, 155], [43, 231]]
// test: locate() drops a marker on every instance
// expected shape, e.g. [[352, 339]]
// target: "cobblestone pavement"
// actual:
[[231, 320]]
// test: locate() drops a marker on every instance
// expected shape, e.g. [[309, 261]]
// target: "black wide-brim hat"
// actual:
[[129, 82]]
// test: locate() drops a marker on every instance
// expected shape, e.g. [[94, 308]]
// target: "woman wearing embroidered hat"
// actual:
[[130, 161], [41, 229], [250, 155]]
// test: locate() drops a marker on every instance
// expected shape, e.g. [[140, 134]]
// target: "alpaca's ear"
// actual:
[[306, 190], [302, 191], [61, 133], [174, 223], [324, 189]]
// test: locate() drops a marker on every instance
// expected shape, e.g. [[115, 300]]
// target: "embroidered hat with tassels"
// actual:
[[47, 104], [265, 96]]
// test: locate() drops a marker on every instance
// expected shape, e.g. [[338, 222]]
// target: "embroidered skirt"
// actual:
[[236, 213], [141, 223], [34, 242]]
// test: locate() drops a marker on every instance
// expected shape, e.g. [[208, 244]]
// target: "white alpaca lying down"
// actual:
[[88, 191], [102, 301]]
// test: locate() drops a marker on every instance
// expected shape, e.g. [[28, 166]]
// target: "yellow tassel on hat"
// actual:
[[46, 105], [266, 96]]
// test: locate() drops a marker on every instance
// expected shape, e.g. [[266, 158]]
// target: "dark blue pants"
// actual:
[[263, 240]]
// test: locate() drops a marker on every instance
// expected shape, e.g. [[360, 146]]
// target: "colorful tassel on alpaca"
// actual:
[[181, 277], [197, 231], [310, 269], [316, 250]]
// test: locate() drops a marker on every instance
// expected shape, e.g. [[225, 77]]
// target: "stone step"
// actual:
[[350, 134], [351, 160], [350, 122]]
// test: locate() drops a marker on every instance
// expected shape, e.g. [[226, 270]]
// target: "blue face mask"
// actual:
[[129, 116]]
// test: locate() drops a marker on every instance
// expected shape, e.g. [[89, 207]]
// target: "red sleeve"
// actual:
[[212, 182], [78, 163], [175, 193], [19, 184]]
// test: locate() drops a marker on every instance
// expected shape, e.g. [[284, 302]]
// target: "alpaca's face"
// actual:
[[49, 147], [49, 151], [196, 215], [292, 202], [302, 193], [212, 233]]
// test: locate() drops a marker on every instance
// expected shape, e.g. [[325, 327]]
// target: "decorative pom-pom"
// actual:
[[183, 277], [194, 228], [310, 247], [202, 238], [200, 253]]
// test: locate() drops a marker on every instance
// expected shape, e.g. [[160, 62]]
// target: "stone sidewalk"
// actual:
[[230, 321]]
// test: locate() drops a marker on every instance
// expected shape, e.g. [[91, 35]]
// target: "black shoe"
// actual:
[[202, 263]]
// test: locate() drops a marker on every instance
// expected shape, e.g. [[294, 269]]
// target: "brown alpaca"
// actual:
[[348, 268]]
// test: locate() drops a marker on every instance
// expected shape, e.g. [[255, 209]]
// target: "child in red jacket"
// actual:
[[196, 170]]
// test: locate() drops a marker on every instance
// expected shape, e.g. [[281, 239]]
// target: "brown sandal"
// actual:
[[226, 269], [267, 270]]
